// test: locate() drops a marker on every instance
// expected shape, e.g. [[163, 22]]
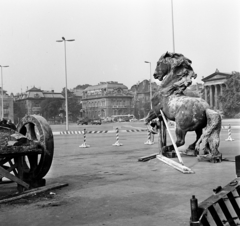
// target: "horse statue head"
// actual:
[[175, 72]]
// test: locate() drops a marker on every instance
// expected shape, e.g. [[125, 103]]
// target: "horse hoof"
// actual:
[[196, 153], [164, 150], [190, 152]]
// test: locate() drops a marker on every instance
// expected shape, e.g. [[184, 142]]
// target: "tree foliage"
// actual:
[[19, 110], [191, 93], [74, 105], [50, 108], [230, 97]]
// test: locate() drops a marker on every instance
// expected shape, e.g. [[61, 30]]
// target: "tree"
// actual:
[[19, 110], [191, 93], [50, 108], [74, 106], [146, 108], [230, 97]]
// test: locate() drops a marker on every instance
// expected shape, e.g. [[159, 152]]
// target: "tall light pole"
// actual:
[[2, 88], [66, 97], [173, 28], [147, 62]]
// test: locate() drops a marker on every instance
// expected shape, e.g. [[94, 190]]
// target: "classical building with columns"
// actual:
[[213, 88]]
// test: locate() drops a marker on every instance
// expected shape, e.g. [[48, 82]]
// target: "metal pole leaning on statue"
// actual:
[[162, 136], [179, 166], [84, 145], [170, 135]]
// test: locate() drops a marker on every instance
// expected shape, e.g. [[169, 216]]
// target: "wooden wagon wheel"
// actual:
[[35, 167]]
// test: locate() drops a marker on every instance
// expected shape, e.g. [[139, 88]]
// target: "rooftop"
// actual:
[[106, 85]]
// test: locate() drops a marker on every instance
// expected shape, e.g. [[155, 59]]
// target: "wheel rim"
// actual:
[[35, 127]]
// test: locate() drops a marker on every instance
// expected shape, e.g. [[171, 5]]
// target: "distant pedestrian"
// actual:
[[155, 125]]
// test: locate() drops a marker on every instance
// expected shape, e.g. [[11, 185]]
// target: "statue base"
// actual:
[[210, 158], [189, 152], [170, 154]]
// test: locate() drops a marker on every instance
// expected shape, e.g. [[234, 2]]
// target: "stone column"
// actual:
[[205, 93], [221, 93], [211, 96], [216, 97], [221, 89]]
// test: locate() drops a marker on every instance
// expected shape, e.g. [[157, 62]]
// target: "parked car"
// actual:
[[83, 121], [96, 122], [133, 120], [106, 119]]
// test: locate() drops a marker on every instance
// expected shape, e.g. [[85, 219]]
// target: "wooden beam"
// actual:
[[148, 157], [11, 177], [176, 165], [34, 191], [19, 150]]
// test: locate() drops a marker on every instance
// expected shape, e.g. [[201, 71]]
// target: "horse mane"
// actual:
[[179, 75]]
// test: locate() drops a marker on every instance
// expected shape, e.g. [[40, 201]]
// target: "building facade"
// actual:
[[107, 99], [32, 99], [142, 100], [7, 105], [78, 94], [213, 88]]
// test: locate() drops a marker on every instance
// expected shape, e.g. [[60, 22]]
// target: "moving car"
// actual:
[[83, 121], [96, 122], [133, 120]]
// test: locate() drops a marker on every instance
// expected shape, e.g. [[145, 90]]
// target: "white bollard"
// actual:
[[84, 145], [117, 139], [149, 142], [229, 134]]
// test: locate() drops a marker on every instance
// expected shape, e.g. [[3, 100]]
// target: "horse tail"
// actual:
[[210, 137]]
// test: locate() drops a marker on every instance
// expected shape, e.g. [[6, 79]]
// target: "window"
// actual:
[[5, 105]]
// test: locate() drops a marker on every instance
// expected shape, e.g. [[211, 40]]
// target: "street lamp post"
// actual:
[[66, 97], [147, 62], [2, 88], [173, 28]]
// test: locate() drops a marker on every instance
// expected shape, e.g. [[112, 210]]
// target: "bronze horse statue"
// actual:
[[189, 113]]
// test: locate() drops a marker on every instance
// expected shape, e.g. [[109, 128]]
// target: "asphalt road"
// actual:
[[108, 186]]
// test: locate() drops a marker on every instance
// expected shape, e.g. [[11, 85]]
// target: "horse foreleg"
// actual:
[[191, 147], [180, 140], [180, 134]]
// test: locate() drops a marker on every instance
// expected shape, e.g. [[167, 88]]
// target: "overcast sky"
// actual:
[[113, 38]]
